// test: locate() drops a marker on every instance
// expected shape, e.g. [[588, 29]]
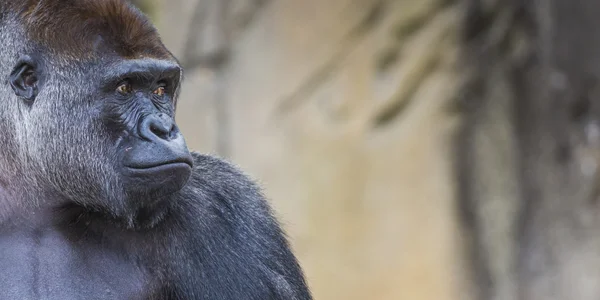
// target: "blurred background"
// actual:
[[413, 149], [337, 108]]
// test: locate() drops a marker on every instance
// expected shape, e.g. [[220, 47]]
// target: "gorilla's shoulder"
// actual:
[[213, 164], [219, 173], [227, 198], [222, 206], [219, 184]]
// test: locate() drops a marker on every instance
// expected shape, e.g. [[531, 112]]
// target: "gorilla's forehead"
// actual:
[[89, 28]]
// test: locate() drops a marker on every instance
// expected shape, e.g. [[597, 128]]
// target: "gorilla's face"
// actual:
[[137, 110], [102, 134]]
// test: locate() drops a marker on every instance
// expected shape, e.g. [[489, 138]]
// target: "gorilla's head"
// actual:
[[88, 112]]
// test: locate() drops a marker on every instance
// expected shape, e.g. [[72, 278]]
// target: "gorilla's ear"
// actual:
[[24, 78]]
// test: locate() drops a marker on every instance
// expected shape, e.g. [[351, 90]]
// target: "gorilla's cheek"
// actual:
[[72, 153]]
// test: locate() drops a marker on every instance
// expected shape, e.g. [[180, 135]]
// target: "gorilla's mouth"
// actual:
[[174, 163], [166, 176]]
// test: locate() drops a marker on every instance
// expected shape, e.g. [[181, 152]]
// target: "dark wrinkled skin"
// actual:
[[99, 196]]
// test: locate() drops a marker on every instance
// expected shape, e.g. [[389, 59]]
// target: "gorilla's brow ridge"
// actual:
[[145, 69]]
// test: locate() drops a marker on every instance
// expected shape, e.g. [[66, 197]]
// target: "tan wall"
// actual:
[[339, 109]]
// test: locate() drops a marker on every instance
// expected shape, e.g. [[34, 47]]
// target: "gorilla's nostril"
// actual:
[[156, 130], [172, 132]]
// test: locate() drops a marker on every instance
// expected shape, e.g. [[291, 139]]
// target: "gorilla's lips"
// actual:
[[183, 161]]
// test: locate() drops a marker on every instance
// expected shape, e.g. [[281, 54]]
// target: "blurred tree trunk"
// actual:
[[529, 150]]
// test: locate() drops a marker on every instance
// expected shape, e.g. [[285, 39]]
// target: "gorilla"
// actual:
[[99, 196]]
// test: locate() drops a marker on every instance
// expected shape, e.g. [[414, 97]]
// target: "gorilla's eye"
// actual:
[[124, 88], [160, 91]]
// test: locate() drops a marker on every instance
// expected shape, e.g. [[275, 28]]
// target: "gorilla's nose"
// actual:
[[160, 143], [158, 128]]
